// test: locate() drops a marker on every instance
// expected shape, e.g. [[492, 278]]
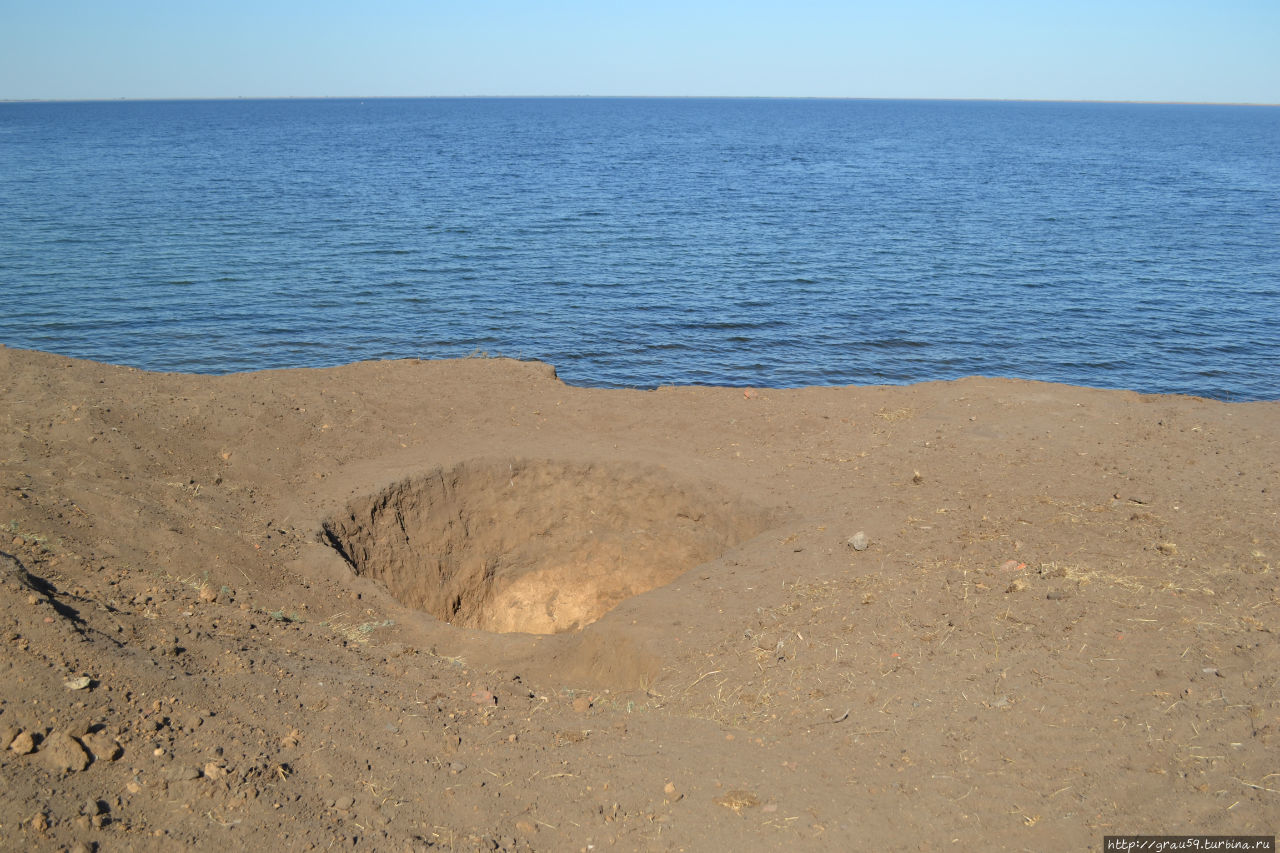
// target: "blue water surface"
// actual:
[[639, 242]]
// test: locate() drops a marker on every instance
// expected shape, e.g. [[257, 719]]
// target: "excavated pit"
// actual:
[[535, 546]]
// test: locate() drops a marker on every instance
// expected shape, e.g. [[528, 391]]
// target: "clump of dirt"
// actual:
[[535, 546]]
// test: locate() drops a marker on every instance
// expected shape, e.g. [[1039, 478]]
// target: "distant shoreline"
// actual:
[[231, 98]]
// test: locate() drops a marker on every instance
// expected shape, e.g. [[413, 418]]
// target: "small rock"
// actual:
[[103, 746], [40, 822], [78, 683], [64, 753], [456, 767], [1169, 549], [1018, 585], [858, 541], [1056, 595], [214, 770], [525, 827], [344, 803], [917, 477], [483, 697]]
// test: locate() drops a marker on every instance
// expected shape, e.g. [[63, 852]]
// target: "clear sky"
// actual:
[[1161, 50]]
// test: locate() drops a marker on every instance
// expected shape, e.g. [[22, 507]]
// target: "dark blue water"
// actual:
[[638, 242]]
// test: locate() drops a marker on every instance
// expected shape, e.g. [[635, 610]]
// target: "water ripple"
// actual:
[[646, 242]]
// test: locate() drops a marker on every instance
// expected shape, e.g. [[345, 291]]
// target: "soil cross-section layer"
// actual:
[[463, 606]]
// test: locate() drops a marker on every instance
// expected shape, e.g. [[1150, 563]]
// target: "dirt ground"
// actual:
[[462, 606]]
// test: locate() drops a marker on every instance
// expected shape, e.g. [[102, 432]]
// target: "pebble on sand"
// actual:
[[858, 541], [23, 744]]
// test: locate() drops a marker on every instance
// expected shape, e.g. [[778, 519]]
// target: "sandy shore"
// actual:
[[461, 605]]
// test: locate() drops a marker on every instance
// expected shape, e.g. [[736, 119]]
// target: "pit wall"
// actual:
[[535, 546]]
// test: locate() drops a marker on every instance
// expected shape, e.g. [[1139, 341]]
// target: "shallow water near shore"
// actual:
[[640, 242]]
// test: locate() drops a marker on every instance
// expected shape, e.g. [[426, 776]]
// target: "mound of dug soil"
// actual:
[[463, 606]]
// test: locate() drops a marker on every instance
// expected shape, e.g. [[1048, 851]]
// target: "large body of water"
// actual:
[[639, 242]]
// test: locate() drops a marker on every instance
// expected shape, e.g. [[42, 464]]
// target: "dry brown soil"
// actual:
[[463, 606]]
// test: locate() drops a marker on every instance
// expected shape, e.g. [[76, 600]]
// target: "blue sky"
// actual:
[[1226, 51]]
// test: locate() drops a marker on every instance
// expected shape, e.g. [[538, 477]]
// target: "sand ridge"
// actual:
[[1063, 626]]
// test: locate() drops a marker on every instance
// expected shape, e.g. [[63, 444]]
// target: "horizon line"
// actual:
[[217, 98]]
